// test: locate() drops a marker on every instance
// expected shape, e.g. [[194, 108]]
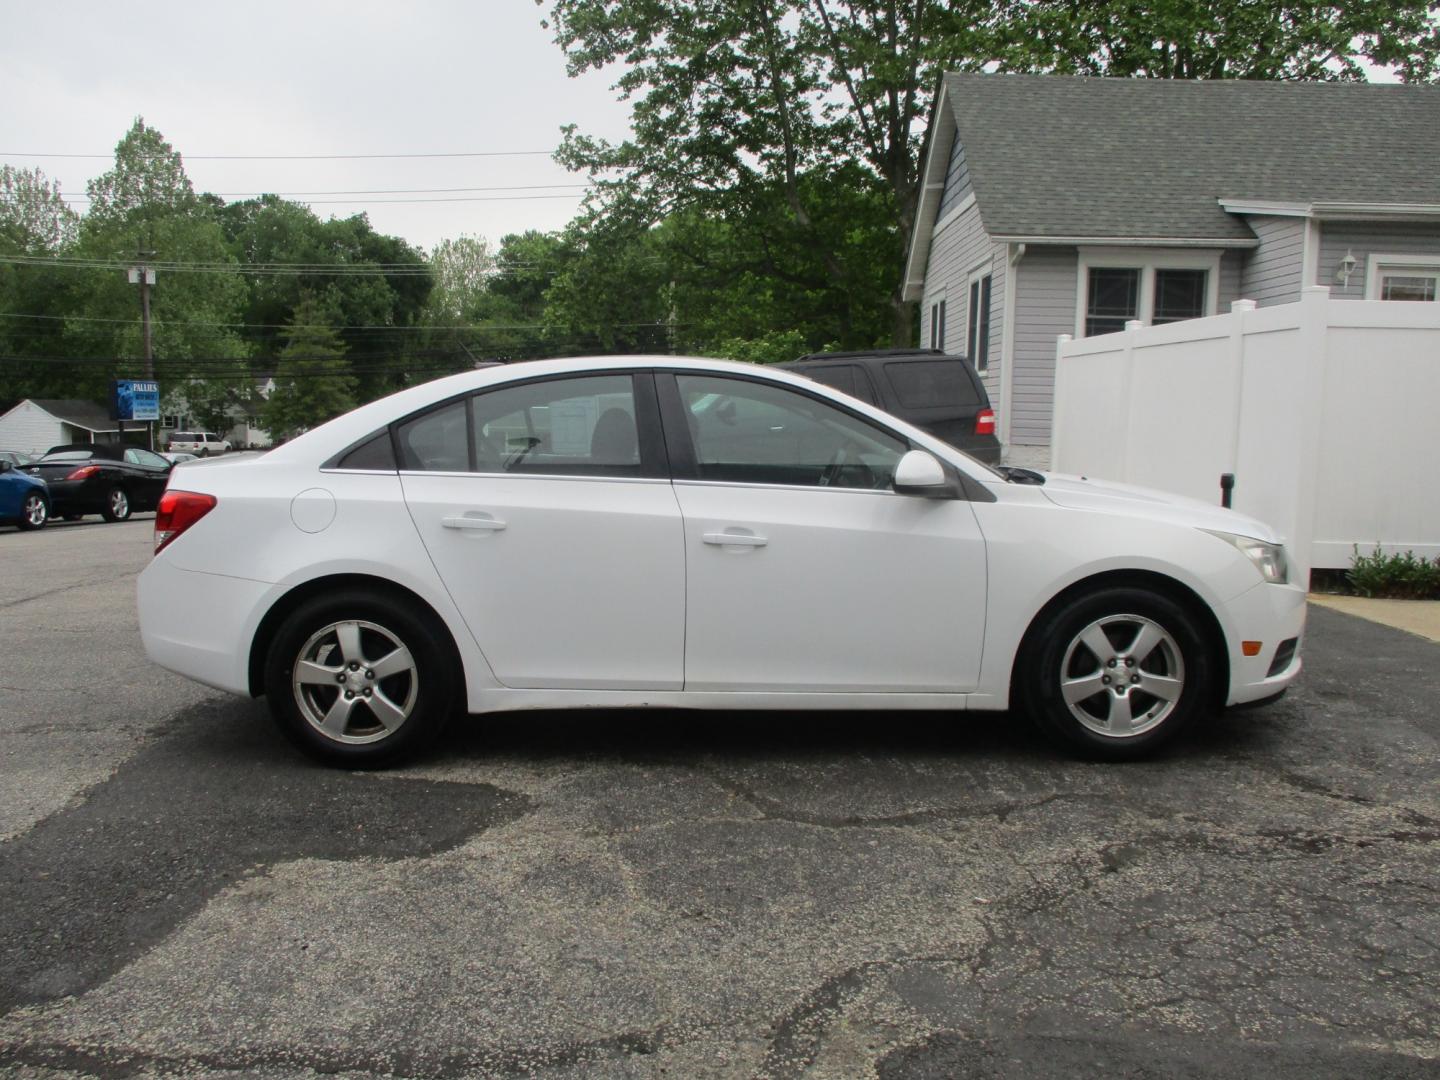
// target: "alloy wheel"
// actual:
[[1122, 675], [35, 511], [355, 682]]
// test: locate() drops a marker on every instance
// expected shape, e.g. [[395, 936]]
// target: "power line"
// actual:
[[483, 327], [79, 200], [309, 157], [367, 191]]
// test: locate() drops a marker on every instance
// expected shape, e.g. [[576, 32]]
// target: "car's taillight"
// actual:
[[83, 472], [985, 422], [178, 510]]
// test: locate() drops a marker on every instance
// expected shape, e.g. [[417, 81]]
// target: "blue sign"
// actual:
[[137, 399]]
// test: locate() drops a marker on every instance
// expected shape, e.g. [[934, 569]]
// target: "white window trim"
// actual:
[[984, 268], [1375, 265], [1147, 261]]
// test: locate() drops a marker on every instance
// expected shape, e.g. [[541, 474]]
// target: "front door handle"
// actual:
[[735, 539], [469, 521]]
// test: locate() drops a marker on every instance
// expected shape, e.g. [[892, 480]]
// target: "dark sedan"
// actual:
[[97, 478]]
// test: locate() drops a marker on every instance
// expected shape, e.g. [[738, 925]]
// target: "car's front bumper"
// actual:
[[1273, 615]]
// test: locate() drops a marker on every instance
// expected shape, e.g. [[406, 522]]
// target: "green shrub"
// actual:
[[1405, 577]]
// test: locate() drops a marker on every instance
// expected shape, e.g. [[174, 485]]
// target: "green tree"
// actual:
[[34, 217], [313, 383], [35, 223], [764, 114], [1222, 39], [145, 203], [379, 284], [147, 181]]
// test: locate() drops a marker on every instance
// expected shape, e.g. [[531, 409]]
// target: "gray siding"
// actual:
[[957, 180], [1232, 267], [1272, 271], [961, 247], [1363, 239], [1045, 284]]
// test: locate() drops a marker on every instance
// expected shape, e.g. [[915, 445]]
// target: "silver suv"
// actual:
[[199, 443]]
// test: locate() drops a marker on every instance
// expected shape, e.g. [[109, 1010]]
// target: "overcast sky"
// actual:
[[310, 77]]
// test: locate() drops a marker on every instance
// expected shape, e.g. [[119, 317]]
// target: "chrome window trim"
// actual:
[[525, 476], [745, 485]]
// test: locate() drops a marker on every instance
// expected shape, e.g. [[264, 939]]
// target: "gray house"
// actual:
[[1058, 205]]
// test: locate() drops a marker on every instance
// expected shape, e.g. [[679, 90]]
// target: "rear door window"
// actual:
[[847, 378], [928, 384]]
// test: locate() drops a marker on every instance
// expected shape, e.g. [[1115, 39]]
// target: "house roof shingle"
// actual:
[[85, 414], [1149, 158]]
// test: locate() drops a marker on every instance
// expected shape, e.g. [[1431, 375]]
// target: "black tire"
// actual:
[[429, 691], [117, 505], [204, 451], [35, 511], [1121, 720]]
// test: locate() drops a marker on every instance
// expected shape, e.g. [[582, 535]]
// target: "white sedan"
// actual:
[[656, 531]]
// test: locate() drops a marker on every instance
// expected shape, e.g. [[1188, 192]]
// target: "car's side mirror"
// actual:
[[919, 473], [5, 466]]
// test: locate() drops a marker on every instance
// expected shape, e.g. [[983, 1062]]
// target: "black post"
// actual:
[[1227, 486]]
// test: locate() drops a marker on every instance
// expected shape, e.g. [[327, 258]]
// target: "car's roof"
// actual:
[[878, 354]]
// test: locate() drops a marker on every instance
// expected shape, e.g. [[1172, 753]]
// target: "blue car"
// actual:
[[24, 500]]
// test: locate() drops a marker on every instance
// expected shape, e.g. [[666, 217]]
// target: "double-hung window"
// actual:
[[1151, 287]]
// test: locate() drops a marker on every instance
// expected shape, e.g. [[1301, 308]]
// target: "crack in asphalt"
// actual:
[[4, 605], [517, 1061]]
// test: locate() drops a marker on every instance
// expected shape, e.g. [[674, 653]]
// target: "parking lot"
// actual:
[[665, 894]]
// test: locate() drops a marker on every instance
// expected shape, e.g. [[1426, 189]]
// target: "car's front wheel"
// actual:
[[1117, 672], [34, 512], [360, 681], [117, 505]]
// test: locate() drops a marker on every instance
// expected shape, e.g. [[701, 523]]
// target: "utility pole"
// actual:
[[144, 276]]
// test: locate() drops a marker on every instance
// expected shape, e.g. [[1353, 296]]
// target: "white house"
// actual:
[[1060, 205], [36, 424]]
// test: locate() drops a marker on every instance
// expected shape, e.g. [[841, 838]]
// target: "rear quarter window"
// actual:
[[928, 384]]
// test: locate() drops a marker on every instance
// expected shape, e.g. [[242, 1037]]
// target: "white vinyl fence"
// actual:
[[1326, 412]]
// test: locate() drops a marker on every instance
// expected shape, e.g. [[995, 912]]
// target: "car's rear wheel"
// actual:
[[34, 512], [117, 505], [360, 681], [204, 451], [1117, 672]]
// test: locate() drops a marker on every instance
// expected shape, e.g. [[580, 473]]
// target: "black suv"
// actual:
[[933, 390]]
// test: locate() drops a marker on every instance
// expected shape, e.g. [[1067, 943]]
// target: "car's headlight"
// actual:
[[1269, 559]]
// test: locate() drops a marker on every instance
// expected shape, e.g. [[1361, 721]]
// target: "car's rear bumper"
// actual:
[[200, 625], [1274, 616]]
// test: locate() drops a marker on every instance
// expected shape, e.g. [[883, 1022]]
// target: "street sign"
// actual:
[[136, 399]]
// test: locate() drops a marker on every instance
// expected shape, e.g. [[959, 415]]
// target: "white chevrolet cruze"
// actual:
[[655, 531]]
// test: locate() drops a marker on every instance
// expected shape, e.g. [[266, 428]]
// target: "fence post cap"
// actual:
[[1133, 324], [1315, 292], [1242, 305]]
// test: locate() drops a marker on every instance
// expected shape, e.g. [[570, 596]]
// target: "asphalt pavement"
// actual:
[[628, 894]]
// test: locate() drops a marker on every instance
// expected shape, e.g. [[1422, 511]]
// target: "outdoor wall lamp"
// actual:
[[1347, 267]]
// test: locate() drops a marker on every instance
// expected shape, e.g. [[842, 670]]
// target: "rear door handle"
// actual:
[[732, 539], [469, 521]]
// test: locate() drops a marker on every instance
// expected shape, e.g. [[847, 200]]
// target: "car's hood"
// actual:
[[1083, 493]]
